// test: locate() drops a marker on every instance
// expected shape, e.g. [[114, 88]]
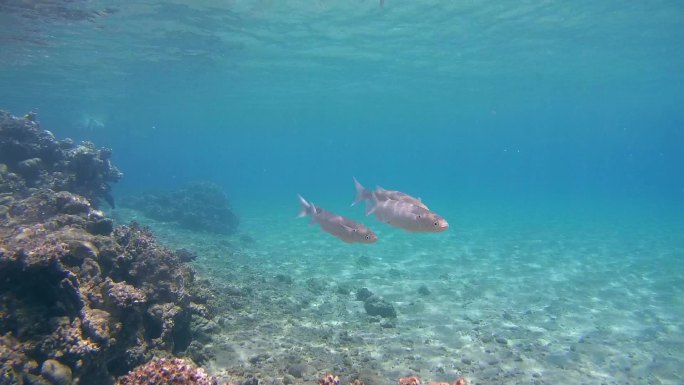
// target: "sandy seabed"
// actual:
[[507, 302]]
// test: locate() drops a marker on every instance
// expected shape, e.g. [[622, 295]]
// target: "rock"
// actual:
[[250, 381], [31, 379], [376, 306], [41, 161], [363, 294], [99, 225], [297, 370], [388, 323], [424, 290], [284, 278], [56, 372], [30, 168], [199, 206], [93, 299]]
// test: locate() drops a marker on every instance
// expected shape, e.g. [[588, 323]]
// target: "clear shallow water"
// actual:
[[516, 296], [549, 134]]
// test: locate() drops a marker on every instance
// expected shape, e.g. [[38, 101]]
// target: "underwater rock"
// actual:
[[297, 370], [56, 372], [10, 182], [424, 290], [34, 155], [284, 278], [199, 206], [363, 294], [100, 303], [376, 306]]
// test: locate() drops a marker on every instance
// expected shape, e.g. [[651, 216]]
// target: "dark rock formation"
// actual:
[[98, 304], [201, 206], [376, 306], [80, 300], [424, 290], [31, 157], [363, 294]]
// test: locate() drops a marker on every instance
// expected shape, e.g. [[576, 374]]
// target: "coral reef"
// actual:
[[201, 206], [413, 380], [167, 372], [31, 157], [80, 300], [98, 304], [329, 379]]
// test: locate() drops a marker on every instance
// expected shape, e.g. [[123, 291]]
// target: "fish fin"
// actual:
[[371, 205], [361, 192], [305, 207], [347, 228]]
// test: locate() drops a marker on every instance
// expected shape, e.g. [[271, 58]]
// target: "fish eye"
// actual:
[[367, 236], [436, 223]]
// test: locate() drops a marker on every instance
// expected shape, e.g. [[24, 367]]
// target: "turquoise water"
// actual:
[[548, 134]]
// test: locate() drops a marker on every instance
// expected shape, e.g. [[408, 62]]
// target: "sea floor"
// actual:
[[520, 299]]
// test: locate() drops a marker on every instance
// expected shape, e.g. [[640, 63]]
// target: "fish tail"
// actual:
[[361, 193], [306, 207]]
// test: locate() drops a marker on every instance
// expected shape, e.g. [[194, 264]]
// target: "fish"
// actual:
[[362, 194], [405, 215], [343, 228]]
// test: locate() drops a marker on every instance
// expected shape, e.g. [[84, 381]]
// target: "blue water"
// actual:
[[520, 122]]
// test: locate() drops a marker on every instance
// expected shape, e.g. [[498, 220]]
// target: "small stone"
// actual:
[[466, 360], [284, 278], [363, 294], [375, 305], [501, 340], [388, 323], [56, 372], [424, 290], [251, 381], [297, 370]]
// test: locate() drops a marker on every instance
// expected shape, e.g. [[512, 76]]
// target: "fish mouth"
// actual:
[[442, 225]]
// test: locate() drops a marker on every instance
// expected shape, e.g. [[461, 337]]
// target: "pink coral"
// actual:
[[329, 379], [167, 372]]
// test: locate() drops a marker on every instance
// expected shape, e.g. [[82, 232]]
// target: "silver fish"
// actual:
[[381, 194], [339, 226], [406, 216]]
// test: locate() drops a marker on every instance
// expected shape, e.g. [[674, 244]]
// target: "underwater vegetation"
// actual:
[[198, 206], [82, 301]]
